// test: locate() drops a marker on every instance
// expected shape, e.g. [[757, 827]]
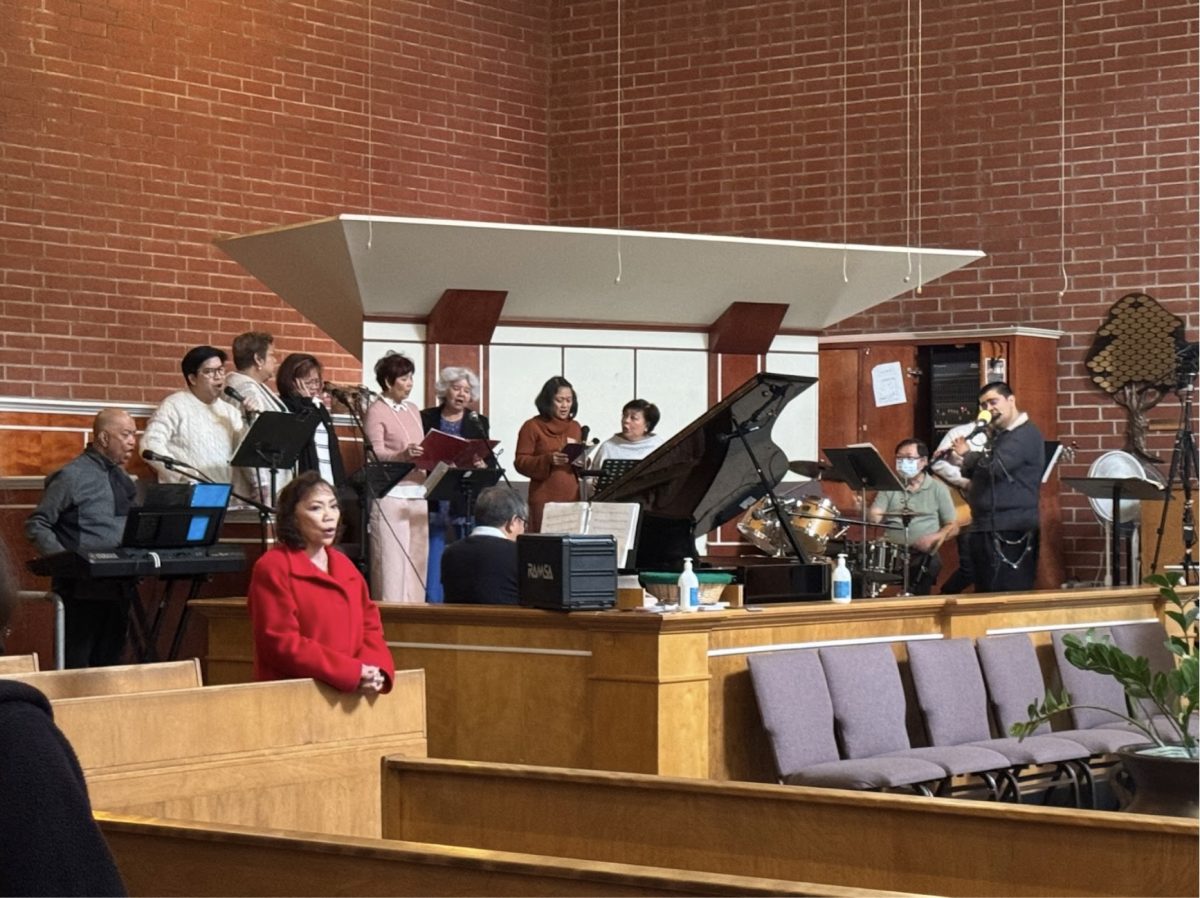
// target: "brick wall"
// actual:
[[733, 123], [135, 132]]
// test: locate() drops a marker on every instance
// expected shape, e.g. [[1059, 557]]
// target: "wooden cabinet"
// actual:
[[849, 413]]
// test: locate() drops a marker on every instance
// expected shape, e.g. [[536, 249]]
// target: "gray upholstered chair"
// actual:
[[870, 710], [954, 703], [794, 702], [1087, 687], [1014, 682]]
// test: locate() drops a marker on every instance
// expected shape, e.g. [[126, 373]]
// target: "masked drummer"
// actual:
[[927, 501]]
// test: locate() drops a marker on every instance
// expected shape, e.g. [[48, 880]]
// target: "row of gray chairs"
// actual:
[[836, 716]]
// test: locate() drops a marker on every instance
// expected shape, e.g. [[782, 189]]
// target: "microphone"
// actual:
[[150, 455], [241, 401], [583, 433], [346, 394], [982, 422], [477, 420]]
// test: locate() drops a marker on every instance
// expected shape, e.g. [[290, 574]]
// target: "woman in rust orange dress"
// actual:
[[540, 454]]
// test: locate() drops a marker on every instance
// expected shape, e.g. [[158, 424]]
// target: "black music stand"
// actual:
[[1114, 488], [862, 468], [465, 482], [379, 477], [275, 440]]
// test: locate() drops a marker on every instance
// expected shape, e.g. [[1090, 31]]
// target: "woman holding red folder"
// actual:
[[541, 445]]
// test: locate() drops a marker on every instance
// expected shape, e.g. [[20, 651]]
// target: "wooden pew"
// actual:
[[293, 754], [18, 664], [120, 679], [851, 839], [163, 858]]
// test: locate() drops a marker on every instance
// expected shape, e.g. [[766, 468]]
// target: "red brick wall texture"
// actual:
[[133, 133]]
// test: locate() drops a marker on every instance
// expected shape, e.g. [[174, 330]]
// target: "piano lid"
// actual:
[[703, 474]]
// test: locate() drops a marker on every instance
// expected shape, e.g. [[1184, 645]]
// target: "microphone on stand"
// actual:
[[150, 455], [241, 401], [478, 421], [583, 433], [347, 394]]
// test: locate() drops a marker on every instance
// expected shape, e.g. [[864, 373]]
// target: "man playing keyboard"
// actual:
[[83, 508]]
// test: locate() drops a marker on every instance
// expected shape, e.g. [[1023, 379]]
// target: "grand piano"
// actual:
[[709, 473]]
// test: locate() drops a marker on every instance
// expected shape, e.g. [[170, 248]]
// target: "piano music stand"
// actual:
[[1114, 488], [275, 440]]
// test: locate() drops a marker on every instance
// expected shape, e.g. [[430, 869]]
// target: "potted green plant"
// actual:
[[1173, 696]]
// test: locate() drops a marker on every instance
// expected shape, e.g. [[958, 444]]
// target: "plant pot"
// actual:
[[1162, 784]]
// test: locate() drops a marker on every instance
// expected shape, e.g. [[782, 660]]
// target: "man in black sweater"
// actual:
[[1006, 479], [482, 569]]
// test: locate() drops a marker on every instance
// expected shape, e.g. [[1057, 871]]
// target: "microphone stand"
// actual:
[[740, 432]]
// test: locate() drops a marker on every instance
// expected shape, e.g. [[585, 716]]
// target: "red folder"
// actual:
[[454, 451]]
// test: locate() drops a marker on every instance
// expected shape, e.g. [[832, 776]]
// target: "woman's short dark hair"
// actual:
[[392, 367], [545, 399], [249, 346], [287, 531], [293, 369], [197, 356], [648, 409]]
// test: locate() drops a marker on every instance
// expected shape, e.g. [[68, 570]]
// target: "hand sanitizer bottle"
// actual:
[[689, 588], [841, 581]]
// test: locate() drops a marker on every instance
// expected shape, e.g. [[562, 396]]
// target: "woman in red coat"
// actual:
[[540, 445], [309, 607]]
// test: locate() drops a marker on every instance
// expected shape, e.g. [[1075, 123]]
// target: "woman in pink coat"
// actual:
[[310, 610], [400, 520]]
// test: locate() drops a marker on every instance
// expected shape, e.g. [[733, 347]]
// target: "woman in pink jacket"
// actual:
[[309, 607]]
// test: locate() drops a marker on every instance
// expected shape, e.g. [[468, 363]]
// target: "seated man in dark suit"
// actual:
[[482, 569]]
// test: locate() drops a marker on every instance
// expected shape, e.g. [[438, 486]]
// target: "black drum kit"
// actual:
[[820, 528]]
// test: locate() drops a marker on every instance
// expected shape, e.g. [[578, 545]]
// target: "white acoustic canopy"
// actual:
[[338, 271]]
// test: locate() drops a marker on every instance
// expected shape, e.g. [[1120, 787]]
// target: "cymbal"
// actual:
[[809, 468], [816, 470], [847, 521]]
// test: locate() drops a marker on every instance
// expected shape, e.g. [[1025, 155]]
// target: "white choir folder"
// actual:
[[617, 519]]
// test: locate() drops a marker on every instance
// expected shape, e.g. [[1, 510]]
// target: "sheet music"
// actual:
[[616, 519]]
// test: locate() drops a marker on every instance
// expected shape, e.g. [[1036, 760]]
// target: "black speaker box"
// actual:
[[567, 572]]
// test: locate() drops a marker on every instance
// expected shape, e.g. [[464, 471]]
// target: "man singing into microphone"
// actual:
[[84, 508], [1006, 479], [196, 429]]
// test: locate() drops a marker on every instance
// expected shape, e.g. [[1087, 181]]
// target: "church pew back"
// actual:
[[292, 754], [16, 664], [867, 840], [164, 858], [117, 680]]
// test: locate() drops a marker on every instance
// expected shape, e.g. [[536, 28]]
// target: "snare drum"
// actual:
[[814, 521], [884, 559]]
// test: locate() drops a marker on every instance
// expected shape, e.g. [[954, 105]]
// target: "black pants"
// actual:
[[1004, 560], [923, 570], [97, 626], [965, 575]]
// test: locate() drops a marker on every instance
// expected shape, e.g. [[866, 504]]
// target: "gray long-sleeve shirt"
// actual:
[[77, 509]]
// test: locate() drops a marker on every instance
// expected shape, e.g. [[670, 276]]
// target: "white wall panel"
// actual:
[[796, 430], [517, 374], [604, 381], [675, 381]]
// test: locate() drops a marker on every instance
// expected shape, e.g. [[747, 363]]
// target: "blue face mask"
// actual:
[[908, 468]]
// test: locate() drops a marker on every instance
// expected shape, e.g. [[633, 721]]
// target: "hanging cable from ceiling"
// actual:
[[845, 151], [370, 125], [620, 130], [1062, 148]]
